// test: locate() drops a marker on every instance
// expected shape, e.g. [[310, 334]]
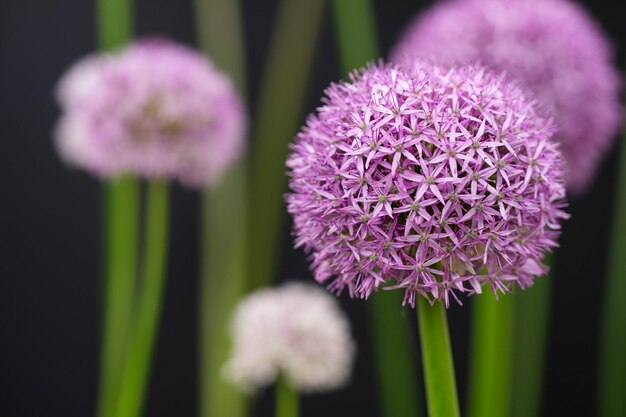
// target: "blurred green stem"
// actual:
[[395, 356], [222, 284], [287, 403], [221, 37], [490, 356], [393, 347], [134, 382], [612, 370], [278, 115], [356, 33], [532, 317], [120, 220], [441, 395], [223, 211], [114, 22]]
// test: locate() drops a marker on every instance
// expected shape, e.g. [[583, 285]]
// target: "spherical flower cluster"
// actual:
[[552, 47], [155, 109], [297, 331], [426, 179]]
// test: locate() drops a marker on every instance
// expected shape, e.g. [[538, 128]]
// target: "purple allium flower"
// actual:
[[155, 109], [429, 180], [297, 331], [552, 47]]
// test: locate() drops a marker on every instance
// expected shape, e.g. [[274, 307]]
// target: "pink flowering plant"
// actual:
[[440, 175], [156, 109], [431, 180], [560, 55]]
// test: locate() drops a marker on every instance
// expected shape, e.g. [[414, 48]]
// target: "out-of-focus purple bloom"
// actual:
[[155, 109], [297, 331], [429, 180], [552, 47]]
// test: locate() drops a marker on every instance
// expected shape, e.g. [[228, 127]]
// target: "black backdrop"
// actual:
[[49, 280]]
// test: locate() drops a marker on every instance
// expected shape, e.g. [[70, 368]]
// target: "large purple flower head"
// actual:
[[552, 47], [430, 180], [155, 109]]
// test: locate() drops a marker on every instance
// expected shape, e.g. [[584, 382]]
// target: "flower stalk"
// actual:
[[287, 401], [612, 370], [395, 356], [114, 23], [441, 394], [490, 356], [134, 381], [223, 245], [531, 317], [278, 112], [356, 33], [120, 219]]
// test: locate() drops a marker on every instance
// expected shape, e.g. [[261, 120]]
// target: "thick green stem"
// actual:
[[490, 356], [223, 211], [395, 363], [356, 33], [395, 356], [287, 403], [221, 285], [612, 369], [114, 22], [121, 245], [120, 226], [532, 316], [278, 115], [441, 395], [221, 37], [144, 327]]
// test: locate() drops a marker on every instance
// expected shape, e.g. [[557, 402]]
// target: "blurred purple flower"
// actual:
[[155, 109], [429, 180], [552, 47]]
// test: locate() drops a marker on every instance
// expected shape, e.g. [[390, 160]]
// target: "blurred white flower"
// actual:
[[297, 331]]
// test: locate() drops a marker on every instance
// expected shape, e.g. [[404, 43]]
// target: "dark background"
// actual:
[[49, 236]]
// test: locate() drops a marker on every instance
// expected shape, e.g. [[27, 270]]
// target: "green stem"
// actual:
[[612, 369], [532, 314], [395, 356], [144, 328], [121, 243], [115, 22], [441, 396], [220, 34], [221, 285], [120, 221], [356, 33], [287, 403], [490, 356], [279, 113], [223, 212], [395, 362]]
